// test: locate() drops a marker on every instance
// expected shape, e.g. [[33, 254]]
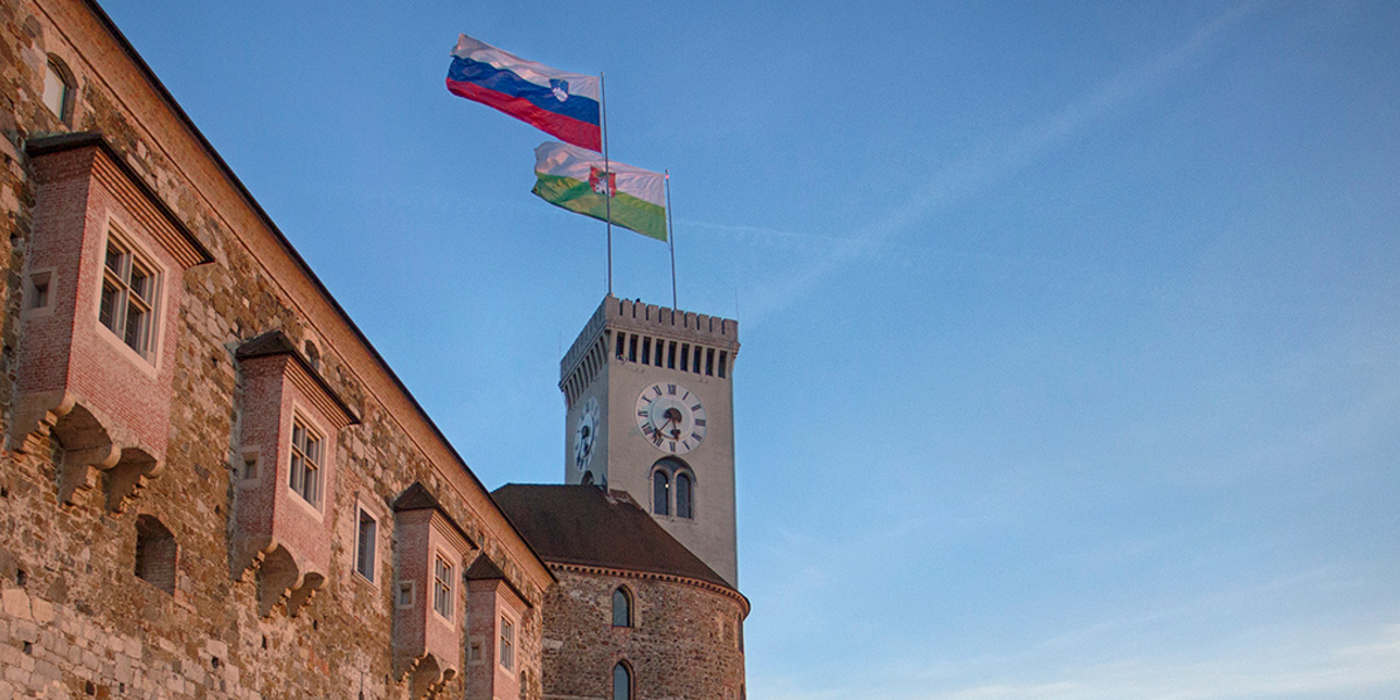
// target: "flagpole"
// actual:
[[607, 174], [671, 239]]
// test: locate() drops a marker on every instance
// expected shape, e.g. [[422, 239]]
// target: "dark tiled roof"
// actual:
[[269, 343], [483, 570], [275, 342], [583, 525], [417, 497]]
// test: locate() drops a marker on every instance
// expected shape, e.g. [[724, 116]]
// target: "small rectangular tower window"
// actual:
[[632, 348], [685, 356], [723, 360], [38, 291], [671, 355], [621, 345], [646, 350], [709, 361]]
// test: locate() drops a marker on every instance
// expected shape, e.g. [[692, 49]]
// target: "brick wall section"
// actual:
[[685, 639], [78, 622]]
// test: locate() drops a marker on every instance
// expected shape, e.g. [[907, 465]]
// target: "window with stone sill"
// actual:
[[128, 302], [507, 643], [404, 595], [305, 477], [366, 527], [442, 587]]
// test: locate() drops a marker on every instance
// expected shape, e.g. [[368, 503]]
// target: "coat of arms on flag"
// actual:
[[595, 180], [560, 88]]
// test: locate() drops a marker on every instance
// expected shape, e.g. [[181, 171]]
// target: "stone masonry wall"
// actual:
[[685, 642], [75, 620]]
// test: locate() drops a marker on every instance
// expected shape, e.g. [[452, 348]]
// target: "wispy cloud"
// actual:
[[969, 174]]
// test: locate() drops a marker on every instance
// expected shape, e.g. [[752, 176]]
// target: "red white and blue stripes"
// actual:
[[563, 104]]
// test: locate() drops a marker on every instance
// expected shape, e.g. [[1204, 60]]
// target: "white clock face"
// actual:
[[671, 418], [586, 434]]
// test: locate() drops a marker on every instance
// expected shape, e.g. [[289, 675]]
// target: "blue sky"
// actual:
[[1071, 330]]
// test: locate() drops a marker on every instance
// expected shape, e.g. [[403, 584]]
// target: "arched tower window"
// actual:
[[621, 608], [685, 495], [58, 89], [622, 682], [660, 492], [672, 489]]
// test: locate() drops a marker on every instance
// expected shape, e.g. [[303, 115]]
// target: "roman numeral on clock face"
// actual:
[[700, 422], [671, 389]]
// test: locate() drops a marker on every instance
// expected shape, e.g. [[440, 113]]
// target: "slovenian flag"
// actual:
[[579, 181], [565, 105]]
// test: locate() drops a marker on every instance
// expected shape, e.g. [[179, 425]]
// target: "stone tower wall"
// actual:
[[686, 642]]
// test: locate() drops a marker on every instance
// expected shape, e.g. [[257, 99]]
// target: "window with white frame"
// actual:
[[306, 462], [442, 587], [129, 286], [507, 643], [365, 528]]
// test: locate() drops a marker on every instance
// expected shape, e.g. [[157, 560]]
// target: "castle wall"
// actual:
[[75, 618]]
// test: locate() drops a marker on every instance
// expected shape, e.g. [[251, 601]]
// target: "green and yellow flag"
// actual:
[[577, 179]]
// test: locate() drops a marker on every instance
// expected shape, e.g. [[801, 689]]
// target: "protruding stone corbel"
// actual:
[[36, 414], [75, 470], [426, 677], [129, 476], [282, 577]]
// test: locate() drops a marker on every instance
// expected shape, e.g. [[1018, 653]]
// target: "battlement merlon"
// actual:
[[649, 319]]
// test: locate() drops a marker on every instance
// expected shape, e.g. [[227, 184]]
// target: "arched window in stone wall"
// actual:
[[622, 607], [58, 89], [622, 681], [660, 492], [155, 553]]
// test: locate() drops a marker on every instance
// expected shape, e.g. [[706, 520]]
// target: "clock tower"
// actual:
[[650, 411]]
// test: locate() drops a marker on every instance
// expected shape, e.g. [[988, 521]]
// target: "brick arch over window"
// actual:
[[622, 681], [622, 607], [59, 89], [156, 553]]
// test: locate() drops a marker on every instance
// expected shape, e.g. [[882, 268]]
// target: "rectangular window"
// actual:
[[710, 361], [306, 463], [621, 346], [685, 356], [507, 643], [128, 297], [442, 587], [698, 353], [671, 355], [632, 348], [723, 360], [646, 351], [38, 291], [364, 544], [403, 595]]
